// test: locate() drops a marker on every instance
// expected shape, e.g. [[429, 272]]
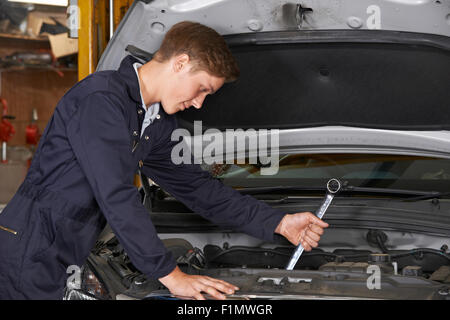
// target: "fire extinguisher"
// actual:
[[32, 133], [6, 128]]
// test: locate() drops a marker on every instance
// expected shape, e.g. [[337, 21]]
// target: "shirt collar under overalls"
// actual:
[[150, 111]]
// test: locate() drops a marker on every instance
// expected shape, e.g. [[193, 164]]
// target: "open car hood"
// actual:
[[147, 21], [305, 69]]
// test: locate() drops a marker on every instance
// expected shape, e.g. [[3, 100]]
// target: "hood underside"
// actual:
[[386, 80], [147, 21], [322, 72]]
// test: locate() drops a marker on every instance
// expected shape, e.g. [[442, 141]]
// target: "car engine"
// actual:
[[373, 271]]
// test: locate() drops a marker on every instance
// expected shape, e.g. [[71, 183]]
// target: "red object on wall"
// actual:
[[32, 134], [6, 128]]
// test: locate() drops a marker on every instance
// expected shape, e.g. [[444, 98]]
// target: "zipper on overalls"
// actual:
[[8, 230]]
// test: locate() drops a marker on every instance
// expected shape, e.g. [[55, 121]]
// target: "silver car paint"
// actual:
[[145, 25]]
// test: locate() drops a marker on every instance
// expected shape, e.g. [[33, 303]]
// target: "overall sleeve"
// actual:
[[102, 146], [210, 198]]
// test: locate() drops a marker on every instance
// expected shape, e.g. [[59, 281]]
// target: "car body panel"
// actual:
[[333, 139]]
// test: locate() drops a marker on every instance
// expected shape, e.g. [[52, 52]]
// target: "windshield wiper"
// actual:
[[431, 195], [346, 189], [270, 189]]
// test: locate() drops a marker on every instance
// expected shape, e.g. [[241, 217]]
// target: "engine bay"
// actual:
[[341, 271]]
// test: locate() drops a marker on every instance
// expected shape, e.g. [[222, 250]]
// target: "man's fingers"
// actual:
[[213, 287], [311, 242], [316, 229], [193, 286], [306, 245], [314, 236], [302, 240], [318, 221], [307, 242], [305, 228], [213, 292], [228, 286], [221, 281], [223, 287], [199, 296]]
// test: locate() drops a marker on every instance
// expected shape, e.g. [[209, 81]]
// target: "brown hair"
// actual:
[[204, 46]]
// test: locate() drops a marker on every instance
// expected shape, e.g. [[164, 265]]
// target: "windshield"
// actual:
[[360, 170]]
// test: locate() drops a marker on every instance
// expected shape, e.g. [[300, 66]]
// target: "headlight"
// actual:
[[91, 288], [75, 294]]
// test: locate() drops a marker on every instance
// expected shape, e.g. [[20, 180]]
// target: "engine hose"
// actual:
[[420, 250], [412, 252], [381, 244]]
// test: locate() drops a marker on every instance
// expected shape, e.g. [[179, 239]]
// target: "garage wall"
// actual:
[[28, 88]]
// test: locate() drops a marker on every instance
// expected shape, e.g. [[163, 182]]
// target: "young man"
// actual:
[[103, 130]]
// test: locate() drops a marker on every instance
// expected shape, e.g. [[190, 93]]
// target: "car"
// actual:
[[354, 91]]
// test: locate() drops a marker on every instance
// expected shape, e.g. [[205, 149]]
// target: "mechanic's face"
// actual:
[[187, 88]]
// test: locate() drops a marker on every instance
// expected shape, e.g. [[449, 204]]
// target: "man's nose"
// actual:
[[198, 102]]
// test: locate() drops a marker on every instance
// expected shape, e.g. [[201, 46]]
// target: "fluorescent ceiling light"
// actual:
[[46, 2]]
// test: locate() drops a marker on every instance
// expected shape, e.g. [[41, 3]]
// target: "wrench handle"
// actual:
[[326, 203], [319, 213], [294, 258]]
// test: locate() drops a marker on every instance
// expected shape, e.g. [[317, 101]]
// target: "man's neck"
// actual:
[[149, 86]]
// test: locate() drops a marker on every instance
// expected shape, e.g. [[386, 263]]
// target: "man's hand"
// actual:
[[185, 285], [304, 228]]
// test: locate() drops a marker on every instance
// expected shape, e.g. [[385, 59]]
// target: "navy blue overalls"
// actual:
[[82, 177]]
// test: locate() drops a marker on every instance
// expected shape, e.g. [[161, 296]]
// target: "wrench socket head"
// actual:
[[333, 185]]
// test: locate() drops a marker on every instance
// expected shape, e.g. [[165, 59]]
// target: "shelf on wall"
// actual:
[[22, 37], [37, 68]]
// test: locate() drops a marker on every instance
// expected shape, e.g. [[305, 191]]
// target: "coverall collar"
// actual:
[[128, 73]]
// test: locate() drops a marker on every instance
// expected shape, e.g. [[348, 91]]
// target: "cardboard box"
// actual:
[[62, 45], [37, 18], [35, 21]]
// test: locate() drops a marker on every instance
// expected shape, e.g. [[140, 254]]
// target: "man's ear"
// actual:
[[180, 61]]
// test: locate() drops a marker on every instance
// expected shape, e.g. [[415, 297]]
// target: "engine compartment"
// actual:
[[323, 273]]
